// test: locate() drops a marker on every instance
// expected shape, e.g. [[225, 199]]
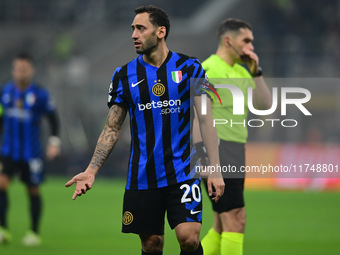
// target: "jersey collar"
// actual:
[[140, 59]]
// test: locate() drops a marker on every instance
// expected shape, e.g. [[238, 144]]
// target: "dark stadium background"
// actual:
[[77, 45]]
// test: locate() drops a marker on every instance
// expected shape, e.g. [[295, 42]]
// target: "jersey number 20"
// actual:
[[195, 190]]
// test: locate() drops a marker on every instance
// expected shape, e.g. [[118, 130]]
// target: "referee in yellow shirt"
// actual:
[[235, 47]]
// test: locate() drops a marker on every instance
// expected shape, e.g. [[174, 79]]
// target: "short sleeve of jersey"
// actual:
[[116, 92], [199, 78], [46, 101]]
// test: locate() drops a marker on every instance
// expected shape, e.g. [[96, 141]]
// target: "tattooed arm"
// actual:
[[105, 144], [108, 138]]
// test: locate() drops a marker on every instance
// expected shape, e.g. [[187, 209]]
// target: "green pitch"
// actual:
[[305, 223]]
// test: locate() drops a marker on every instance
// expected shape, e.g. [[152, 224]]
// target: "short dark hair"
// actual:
[[158, 17], [233, 25], [25, 56]]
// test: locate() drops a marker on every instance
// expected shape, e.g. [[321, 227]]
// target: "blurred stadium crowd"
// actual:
[[78, 44]]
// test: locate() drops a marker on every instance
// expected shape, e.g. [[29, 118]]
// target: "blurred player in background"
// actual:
[[155, 88], [23, 103], [235, 46]]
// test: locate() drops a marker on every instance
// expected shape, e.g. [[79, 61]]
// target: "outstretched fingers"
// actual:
[[80, 190], [83, 182], [70, 182]]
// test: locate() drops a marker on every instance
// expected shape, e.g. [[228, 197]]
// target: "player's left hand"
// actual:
[[218, 183], [252, 61], [84, 182], [52, 151]]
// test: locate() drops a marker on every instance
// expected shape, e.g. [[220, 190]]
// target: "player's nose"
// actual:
[[134, 35]]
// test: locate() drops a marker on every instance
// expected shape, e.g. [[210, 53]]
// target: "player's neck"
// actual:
[[224, 54], [23, 85], [158, 56]]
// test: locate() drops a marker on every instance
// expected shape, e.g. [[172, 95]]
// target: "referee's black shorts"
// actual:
[[232, 155]]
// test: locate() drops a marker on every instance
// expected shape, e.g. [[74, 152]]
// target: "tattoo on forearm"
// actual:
[[109, 136]]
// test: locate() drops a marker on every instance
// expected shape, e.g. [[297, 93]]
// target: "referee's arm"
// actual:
[[262, 97]]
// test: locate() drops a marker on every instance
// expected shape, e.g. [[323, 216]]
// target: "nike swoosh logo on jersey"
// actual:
[[135, 84], [193, 212]]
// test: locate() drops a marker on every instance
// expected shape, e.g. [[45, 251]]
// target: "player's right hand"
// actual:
[[84, 182]]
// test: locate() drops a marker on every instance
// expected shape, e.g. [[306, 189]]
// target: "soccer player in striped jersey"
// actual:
[[23, 104], [156, 90]]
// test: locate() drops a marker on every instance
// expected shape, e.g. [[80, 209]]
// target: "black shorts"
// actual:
[[31, 173], [144, 210], [231, 155]]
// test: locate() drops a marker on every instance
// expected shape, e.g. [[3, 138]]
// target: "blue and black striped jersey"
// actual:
[[22, 112], [160, 102]]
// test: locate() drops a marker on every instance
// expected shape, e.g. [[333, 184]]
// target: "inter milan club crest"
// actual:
[[158, 89], [176, 76], [127, 218]]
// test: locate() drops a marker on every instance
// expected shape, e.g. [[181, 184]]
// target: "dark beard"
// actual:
[[147, 51], [150, 47]]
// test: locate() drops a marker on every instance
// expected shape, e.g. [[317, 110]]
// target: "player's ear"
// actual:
[[161, 32]]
